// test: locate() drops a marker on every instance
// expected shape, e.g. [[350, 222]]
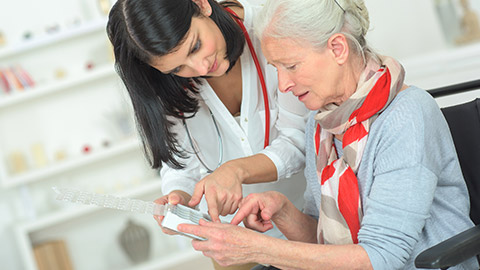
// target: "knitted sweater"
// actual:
[[411, 186]]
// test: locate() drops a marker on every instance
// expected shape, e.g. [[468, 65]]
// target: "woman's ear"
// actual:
[[338, 45], [204, 7]]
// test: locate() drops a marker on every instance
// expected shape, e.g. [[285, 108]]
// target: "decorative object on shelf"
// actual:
[[52, 255], [104, 6], [54, 28], [135, 242], [86, 149], [73, 23], [39, 156], [120, 122], [23, 76], [106, 143], [60, 73], [17, 162], [459, 21], [469, 24], [4, 84], [89, 65], [15, 78], [448, 18], [12, 79], [60, 155], [27, 35]]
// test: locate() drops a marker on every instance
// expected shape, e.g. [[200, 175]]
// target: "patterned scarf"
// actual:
[[341, 209]]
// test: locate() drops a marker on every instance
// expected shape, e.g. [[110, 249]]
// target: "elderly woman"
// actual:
[[383, 178]]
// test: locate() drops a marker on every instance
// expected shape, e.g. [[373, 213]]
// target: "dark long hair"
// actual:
[[142, 29]]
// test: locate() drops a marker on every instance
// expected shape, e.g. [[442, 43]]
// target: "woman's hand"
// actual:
[[175, 197], [222, 189], [258, 209], [226, 243]]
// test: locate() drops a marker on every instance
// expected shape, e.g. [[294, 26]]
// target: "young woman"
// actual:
[[206, 102]]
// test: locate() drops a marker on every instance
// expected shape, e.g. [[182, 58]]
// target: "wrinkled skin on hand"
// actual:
[[226, 243], [229, 244], [258, 209]]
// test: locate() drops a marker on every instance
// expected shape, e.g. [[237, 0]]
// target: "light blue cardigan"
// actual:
[[412, 190]]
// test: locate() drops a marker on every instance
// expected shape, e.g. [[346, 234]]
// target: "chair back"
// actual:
[[464, 123]]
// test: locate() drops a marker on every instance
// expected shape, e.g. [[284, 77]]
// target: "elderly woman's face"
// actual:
[[310, 74]]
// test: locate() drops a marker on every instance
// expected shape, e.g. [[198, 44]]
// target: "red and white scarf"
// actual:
[[341, 208]]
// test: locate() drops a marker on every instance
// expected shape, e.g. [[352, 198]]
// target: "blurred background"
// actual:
[[65, 120]]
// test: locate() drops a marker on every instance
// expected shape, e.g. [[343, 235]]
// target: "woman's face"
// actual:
[[201, 54], [311, 75]]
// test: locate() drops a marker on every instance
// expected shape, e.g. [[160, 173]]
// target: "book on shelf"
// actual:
[[52, 255], [23, 76], [4, 85], [15, 78]]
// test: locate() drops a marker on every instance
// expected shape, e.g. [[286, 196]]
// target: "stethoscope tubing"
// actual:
[[220, 143], [265, 101], [260, 76]]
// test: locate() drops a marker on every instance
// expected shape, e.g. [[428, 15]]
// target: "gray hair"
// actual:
[[315, 21]]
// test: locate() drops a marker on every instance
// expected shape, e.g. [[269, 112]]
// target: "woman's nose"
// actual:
[[200, 65], [284, 81]]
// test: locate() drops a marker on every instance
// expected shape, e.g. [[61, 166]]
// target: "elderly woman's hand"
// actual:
[[258, 209], [222, 189], [175, 197], [226, 243]]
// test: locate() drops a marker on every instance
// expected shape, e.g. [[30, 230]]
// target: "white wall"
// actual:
[[411, 31], [406, 29]]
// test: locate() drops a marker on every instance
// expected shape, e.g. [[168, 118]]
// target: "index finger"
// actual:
[[244, 210], [197, 194], [212, 208]]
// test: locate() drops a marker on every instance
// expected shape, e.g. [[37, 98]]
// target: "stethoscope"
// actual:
[[220, 143], [265, 100]]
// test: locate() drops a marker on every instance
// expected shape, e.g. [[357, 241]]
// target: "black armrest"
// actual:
[[452, 251]]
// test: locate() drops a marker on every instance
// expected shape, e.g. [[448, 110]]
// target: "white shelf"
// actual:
[[70, 164], [81, 210], [63, 35], [63, 45], [60, 85], [445, 67], [170, 261]]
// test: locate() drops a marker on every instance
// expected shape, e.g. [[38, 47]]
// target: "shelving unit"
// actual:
[[29, 177], [34, 44], [81, 210], [23, 230], [196, 259], [22, 121], [167, 261], [61, 85]]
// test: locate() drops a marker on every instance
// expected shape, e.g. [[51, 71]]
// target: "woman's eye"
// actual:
[[196, 47], [176, 70], [292, 67]]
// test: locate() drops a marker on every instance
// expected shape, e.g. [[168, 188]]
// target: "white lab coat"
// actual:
[[244, 135]]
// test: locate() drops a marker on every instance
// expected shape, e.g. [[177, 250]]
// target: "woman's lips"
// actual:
[[302, 96], [214, 67]]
